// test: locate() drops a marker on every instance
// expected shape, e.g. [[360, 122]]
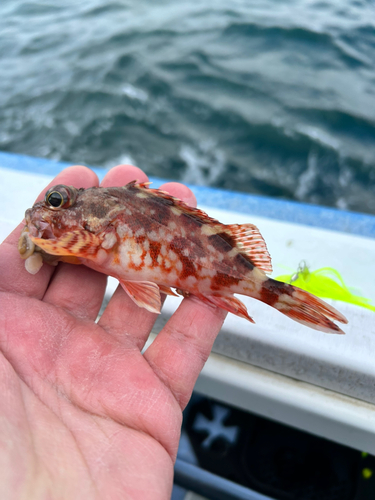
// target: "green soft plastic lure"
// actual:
[[326, 283]]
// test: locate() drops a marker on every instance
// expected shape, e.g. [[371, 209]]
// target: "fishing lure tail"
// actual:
[[301, 306], [327, 283]]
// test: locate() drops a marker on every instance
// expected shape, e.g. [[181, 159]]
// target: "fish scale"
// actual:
[[152, 242]]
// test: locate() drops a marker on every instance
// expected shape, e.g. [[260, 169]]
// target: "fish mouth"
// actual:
[[38, 229], [32, 254], [41, 230]]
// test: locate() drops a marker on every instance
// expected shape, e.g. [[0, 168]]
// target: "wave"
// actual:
[[36, 9], [340, 121], [279, 38], [102, 10], [220, 95]]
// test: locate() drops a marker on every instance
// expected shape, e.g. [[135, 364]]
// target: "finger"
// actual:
[[78, 176], [180, 191], [122, 175], [122, 311], [77, 289], [14, 277], [181, 349]]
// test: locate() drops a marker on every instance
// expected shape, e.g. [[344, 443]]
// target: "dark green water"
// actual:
[[263, 96]]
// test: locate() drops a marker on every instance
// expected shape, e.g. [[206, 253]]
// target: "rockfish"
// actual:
[[152, 242]]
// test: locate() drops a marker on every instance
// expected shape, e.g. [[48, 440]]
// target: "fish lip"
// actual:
[[40, 229], [37, 223]]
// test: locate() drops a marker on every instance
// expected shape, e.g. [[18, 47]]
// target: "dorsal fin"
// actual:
[[251, 243], [140, 184], [247, 236], [195, 213]]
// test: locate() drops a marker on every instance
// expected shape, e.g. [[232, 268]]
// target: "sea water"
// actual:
[[264, 96]]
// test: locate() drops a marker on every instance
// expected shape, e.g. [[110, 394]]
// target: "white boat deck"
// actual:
[[321, 383]]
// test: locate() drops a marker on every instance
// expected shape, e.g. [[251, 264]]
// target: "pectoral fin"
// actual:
[[144, 293], [77, 243]]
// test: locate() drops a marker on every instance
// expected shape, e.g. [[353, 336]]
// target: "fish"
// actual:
[[153, 243]]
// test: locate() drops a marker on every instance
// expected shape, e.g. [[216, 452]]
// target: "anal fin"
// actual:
[[230, 304], [144, 293]]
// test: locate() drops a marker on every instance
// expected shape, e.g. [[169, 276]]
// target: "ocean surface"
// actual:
[[262, 96]]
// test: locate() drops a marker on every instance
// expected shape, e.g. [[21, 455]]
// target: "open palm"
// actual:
[[83, 413]]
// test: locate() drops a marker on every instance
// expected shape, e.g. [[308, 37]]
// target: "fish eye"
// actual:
[[55, 199], [59, 196]]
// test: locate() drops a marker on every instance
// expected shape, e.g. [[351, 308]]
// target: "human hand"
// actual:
[[83, 413]]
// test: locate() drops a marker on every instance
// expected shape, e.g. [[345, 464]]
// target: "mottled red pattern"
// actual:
[[271, 290], [223, 281], [155, 248], [147, 240]]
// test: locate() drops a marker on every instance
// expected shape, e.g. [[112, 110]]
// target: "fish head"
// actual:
[[54, 215], [64, 224]]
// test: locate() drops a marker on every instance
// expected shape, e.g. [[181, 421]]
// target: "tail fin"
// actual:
[[301, 306]]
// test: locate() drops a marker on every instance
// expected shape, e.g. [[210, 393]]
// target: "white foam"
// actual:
[[134, 92], [205, 163]]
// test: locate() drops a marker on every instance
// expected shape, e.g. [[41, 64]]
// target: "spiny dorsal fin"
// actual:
[[247, 236], [251, 243], [195, 213], [140, 184]]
